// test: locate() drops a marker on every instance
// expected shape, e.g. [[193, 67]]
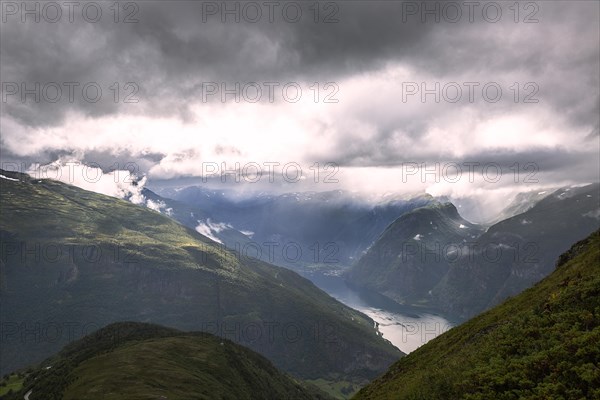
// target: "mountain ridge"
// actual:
[[409, 258], [129, 360], [121, 261], [462, 273]]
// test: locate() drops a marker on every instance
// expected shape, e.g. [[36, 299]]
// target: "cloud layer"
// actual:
[[374, 63]]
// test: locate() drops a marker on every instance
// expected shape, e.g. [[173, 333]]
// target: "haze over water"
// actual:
[[405, 327]]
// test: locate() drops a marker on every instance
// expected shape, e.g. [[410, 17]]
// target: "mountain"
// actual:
[[433, 257], [197, 219], [73, 261], [304, 228], [142, 361], [522, 202], [414, 253], [515, 253], [541, 344]]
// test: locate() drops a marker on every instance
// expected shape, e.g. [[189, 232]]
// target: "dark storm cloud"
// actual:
[[584, 165], [171, 51], [174, 47]]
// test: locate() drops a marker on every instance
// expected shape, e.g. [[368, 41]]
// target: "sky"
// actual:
[[471, 100]]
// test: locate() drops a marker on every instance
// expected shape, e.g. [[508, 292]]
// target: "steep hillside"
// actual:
[[74, 261], [542, 344], [515, 253], [414, 253], [142, 361]]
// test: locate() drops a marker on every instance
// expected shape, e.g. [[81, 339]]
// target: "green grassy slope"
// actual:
[[141, 361], [73, 261], [542, 344], [11, 384]]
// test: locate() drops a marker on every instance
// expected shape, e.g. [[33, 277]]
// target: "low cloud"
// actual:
[[212, 229], [122, 184], [364, 61], [159, 206], [118, 183]]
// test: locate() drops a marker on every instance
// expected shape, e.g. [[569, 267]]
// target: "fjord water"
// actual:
[[406, 327]]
